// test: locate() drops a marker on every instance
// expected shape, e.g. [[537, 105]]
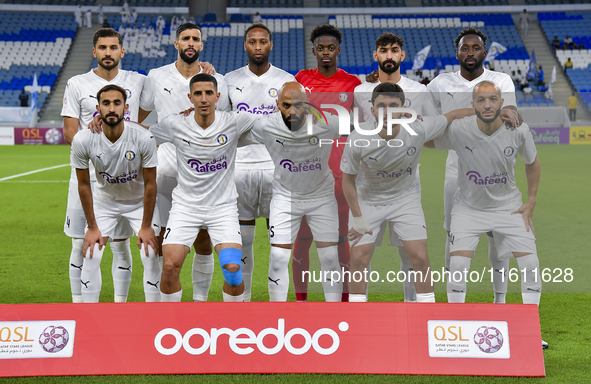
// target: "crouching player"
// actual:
[[205, 197], [124, 157], [488, 199], [303, 186], [387, 189]]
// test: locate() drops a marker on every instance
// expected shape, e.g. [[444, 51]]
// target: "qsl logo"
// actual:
[[53, 339], [488, 339]]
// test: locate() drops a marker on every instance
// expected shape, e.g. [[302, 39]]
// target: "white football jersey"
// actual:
[[416, 97], [486, 177], [257, 95], [205, 157], [389, 168], [300, 158], [166, 91], [119, 165], [455, 92], [80, 96]]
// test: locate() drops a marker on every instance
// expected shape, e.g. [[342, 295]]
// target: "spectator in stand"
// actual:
[[160, 24], [541, 76], [182, 20], [556, 43], [515, 78], [425, 81], [88, 19], [524, 21], [256, 18], [24, 98], [133, 16], [161, 52], [568, 64], [582, 46], [106, 23], [568, 42], [572, 107], [78, 15], [150, 31], [522, 80], [174, 25]]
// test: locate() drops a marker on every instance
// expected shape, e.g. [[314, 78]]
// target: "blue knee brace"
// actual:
[[231, 256]]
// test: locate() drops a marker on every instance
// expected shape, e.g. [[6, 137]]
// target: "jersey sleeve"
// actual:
[[445, 141], [162, 131], [360, 101], [147, 97], [527, 150], [79, 156], [71, 102], [428, 105], [223, 103], [256, 135], [333, 124], [148, 152], [434, 126], [508, 92], [246, 121], [434, 92], [350, 160]]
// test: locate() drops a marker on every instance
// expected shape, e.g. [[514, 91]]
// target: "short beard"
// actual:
[[110, 124], [473, 68], [188, 59], [492, 119], [389, 70], [109, 67], [292, 125], [258, 63]]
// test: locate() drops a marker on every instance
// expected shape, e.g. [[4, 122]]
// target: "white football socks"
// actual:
[[447, 252], [426, 297], [456, 285], [500, 271], [203, 266], [171, 297], [152, 274], [230, 298], [531, 283], [75, 269], [331, 282], [248, 233], [91, 275], [121, 269], [279, 273], [410, 292], [357, 298]]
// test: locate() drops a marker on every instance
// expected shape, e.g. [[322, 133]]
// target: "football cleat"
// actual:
[[544, 345]]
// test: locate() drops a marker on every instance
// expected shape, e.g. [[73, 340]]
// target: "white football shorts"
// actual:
[[255, 190], [165, 186], [109, 214]]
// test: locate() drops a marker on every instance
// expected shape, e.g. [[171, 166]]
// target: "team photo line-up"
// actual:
[[259, 142]]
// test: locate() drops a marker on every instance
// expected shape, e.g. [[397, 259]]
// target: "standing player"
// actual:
[[254, 89], [78, 110], [166, 92], [388, 190], [389, 54], [124, 159], [337, 87], [302, 187], [488, 199], [453, 91], [205, 196]]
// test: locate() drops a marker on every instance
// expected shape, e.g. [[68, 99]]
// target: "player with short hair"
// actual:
[[79, 107], [453, 91], [205, 196], [166, 92], [389, 53], [303, 186], [488, 199], [254, 89], [388, 190], [124, 159], [327, 84]]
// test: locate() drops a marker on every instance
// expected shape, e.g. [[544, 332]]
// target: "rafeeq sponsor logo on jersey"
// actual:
[[213, 166], [495, 178], [396, 174], [260, 110], [123, 178], [242, 340], [306, 166]]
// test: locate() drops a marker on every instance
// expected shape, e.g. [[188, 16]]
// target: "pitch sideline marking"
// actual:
[[35, 171]]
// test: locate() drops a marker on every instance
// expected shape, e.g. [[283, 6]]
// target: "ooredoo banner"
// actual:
[[185, 338]]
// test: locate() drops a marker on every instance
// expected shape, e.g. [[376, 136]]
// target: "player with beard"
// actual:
[[124, 158], [253, 88], [166, 92], [303, 186], [78, 110], [389, 54], [454, 91], [334, 86]]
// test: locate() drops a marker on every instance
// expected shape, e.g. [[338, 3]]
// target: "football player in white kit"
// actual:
[[79, 107], [166, 92], [389, 54], [488, 199], [303, 185], [388, 190], [453, 91], [124, 159], [254, 89], [205, 196]]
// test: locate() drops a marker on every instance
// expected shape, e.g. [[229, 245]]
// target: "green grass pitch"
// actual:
[[34, 259]]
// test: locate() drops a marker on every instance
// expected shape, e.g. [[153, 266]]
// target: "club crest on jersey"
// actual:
[[313, 140], [128, 91], [509, 151], [407, 103], [129, 155], [411, 151], [222, 139], [273, 92], [343, 97]]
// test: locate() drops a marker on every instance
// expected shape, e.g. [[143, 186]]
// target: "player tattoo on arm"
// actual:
[[93, 235], [146, 233], [532, 172]]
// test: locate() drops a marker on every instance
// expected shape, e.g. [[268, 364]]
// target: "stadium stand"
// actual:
[[460, 3], [266, 3], [362, 3], [151, 3], [53, 2], [32, 43]]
